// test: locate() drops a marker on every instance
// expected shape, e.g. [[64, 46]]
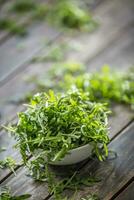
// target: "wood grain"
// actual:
[[11, 58], [22, 184]]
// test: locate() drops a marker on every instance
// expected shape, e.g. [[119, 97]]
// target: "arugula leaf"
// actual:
[[54, 124], [5, 194], [67, 14], [115, 86], [23, 6], [58, 123], [73, 181], [8, 162], [71, 15]]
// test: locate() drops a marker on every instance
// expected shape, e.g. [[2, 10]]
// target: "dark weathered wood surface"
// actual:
[[31, 44], [113, 173], [127, 194], [112, 43]]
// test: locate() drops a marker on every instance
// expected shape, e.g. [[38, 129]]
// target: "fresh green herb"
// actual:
[[58, 113], [61, 69], [58, 184], [5, 194], [41, 12], [128, 87], [115, 86], [57, 53], [73, 182], [51, 126], [8, 162], [12, 27], [54, 78], [22, 6], [69, 14], [2, 149], [57, 124]]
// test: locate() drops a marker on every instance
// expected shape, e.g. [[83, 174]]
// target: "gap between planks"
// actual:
[[127, 193]]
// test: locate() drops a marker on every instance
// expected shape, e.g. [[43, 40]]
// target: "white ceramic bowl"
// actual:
[[75, 155]]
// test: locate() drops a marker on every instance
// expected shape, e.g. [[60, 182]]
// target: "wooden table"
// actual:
[[112, 43]]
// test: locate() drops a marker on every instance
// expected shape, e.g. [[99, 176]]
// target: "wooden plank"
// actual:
[[7, 141], [8, 109], [114, 18], [112, 55], [127, 194], [32, 44]]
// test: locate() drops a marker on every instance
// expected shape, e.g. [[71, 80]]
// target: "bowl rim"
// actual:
[[81, 147]]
